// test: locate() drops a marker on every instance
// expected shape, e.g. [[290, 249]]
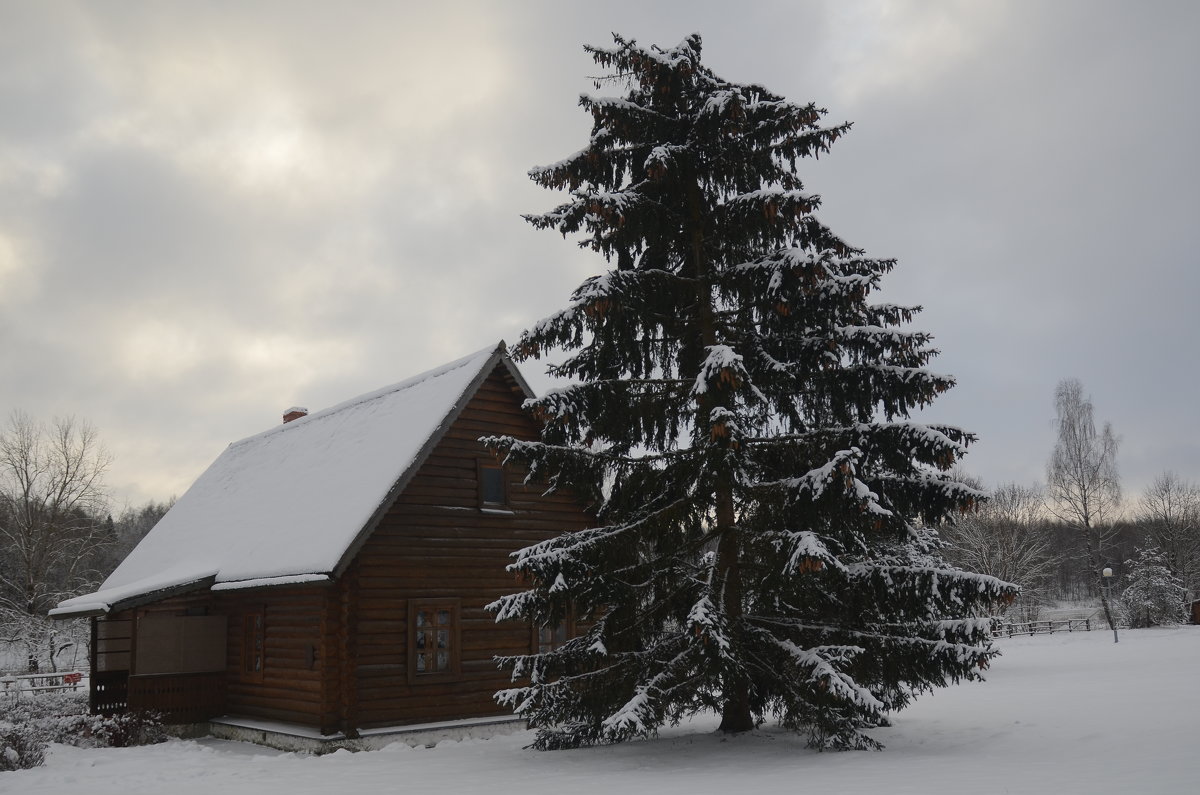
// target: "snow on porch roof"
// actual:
[[291, 502]]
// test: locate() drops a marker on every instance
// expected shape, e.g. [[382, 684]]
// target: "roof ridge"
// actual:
[[375, 394]]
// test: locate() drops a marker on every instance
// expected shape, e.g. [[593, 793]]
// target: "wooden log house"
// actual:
[[332, 572]]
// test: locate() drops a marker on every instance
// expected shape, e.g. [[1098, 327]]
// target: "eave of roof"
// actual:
[[113, 600]]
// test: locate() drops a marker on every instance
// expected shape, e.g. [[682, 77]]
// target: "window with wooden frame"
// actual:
[[433, 639], [254, 645], [493, 484], [548, 637]]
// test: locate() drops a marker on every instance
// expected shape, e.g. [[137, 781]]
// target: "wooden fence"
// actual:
[[14, 686], [1008, 629]]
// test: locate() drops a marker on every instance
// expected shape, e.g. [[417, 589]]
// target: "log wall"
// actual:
[[437, 542], [292, 685]]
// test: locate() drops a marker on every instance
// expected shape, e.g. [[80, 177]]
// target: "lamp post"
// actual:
[[1108, 594]]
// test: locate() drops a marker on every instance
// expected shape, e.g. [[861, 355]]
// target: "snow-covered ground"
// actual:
[[1060, 714]]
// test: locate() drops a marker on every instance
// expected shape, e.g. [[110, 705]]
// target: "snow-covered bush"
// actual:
[[1154, 596], [19, 751], [28, 725]]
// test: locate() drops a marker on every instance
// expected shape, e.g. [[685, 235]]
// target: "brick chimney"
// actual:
[[294, 413]]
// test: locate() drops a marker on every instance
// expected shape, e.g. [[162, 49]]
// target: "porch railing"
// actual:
[[179, 698]]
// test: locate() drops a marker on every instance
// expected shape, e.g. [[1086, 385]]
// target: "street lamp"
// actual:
[[1108, 594]]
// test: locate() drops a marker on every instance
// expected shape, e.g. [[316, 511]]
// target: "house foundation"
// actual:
[[302, 739]]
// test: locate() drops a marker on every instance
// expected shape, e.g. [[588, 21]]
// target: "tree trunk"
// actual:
[[735, 712], [32, 636]]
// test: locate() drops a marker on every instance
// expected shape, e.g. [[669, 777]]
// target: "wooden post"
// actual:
[[347, 669], [327, 665], [92, 666]]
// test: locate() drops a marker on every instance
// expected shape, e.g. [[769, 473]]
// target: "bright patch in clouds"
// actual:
[[158, 350], [281, 111], [18, 280], [272, 153], [287, 363], [161, 351], [888, 44]]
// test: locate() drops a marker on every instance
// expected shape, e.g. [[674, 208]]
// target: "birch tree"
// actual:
[[1083, 485]]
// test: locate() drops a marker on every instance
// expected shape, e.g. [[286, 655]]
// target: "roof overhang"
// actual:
[[259, 583], [101, 604]]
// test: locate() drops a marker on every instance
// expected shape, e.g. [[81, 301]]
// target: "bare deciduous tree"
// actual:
[[52, 520], [1008, 538], [1170, 511], [1083, 486]]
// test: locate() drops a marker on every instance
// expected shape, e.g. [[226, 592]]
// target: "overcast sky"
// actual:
[[212, 211]]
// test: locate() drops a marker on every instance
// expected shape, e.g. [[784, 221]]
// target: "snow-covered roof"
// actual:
[[290, 504]]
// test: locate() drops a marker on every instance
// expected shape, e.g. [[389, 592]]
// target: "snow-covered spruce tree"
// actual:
[[1154, 596], [739, 424]]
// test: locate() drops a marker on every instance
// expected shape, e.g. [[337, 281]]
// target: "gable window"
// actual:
[[254, 647], [493, 492], [433, 638]]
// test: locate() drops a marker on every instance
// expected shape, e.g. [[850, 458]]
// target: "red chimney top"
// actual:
[[294, 413]]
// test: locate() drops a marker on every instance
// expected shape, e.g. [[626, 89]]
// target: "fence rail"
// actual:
[[14, 685], [1008, 629]]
